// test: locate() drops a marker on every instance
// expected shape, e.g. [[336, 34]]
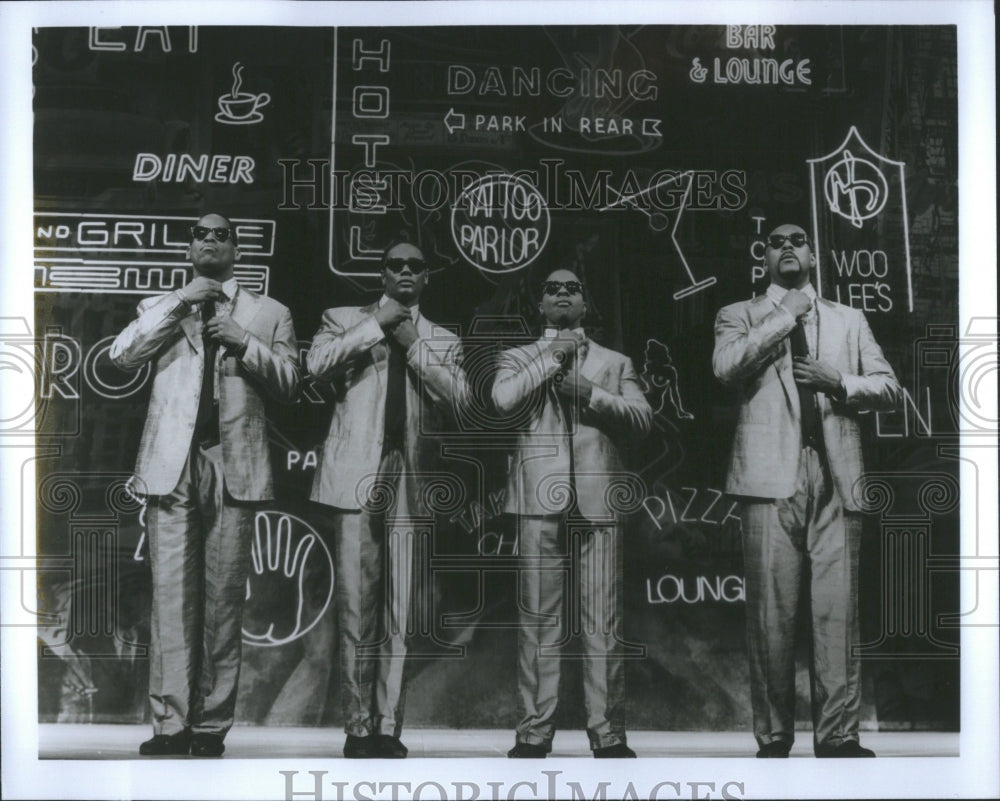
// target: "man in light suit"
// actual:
[[804, 367], [578, 402], [397, 378], [217, 349]]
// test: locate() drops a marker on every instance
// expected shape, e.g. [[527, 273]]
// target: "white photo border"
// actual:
[[973, 773]]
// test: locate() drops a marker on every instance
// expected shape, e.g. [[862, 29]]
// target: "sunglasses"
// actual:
[[417, 266], [199, 232], [553, 287], [778, 240]]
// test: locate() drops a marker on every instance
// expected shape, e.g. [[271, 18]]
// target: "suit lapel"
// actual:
[[829, 331], [245, 308], [593, 363], [425, 328], [379, 352], [191, 326]]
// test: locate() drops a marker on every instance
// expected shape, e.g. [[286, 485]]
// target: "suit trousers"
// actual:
[[547, 623], [199, 547], [373, 552], [808, 539]]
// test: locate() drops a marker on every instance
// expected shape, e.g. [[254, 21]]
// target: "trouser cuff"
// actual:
[[534, 739], [606, 739], [358, 728]]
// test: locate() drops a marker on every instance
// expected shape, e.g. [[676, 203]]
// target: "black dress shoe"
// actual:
[[389, 747], [528, 751], [167, 744], [776, 749], [359, 747], [849, 749], [206, 745], [616, 751]]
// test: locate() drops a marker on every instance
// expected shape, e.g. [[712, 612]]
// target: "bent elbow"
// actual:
[[642, 421], [724, 373], [313, 364], [121, 359], [503, 398], [892, 396], [321, 367]]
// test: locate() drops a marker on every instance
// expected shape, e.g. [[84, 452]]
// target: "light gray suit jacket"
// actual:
[[350, 352], [540, 471], [168, 332], [752, 353]]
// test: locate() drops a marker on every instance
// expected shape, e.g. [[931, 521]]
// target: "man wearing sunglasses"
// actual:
[[397, 379], [217, 351], [578, 403], [804, 367]]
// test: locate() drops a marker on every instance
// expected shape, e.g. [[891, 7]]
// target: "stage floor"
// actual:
[[109, 741]]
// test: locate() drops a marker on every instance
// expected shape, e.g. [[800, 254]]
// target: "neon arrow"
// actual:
[[453, 120]]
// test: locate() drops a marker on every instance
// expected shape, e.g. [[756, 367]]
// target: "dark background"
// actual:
[[95, 110]]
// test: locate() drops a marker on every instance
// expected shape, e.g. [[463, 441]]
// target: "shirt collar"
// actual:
[[230, 288], [777, 293], [414, 309], [550, 332]]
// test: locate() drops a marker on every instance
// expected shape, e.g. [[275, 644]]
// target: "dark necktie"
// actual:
[[564, 402], [204, 422], [809, 416], [567, 406], [395, 398]]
